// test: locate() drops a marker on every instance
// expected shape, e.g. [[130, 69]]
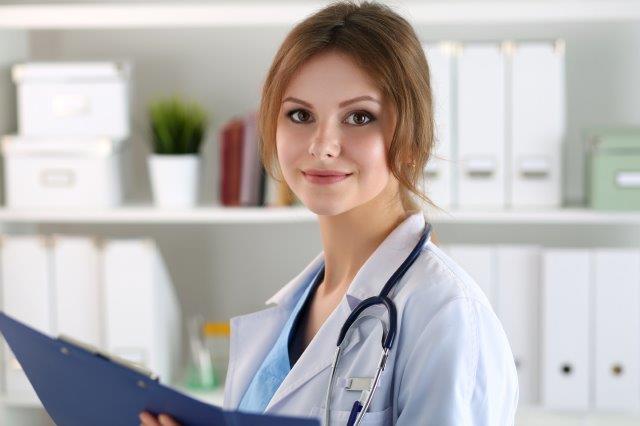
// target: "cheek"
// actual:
[[370, 153], [289, 146]]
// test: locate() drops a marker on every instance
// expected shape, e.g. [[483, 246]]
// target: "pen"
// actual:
[[354, 413]]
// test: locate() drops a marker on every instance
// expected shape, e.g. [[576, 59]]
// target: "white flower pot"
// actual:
[[174, 180]]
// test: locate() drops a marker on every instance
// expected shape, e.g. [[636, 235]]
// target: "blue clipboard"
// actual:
[[79, 386]]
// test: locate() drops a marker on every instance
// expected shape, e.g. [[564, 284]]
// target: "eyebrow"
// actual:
[[341, 104]]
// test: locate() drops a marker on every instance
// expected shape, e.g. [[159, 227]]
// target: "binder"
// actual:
[[617, 329], [481, 126], [142, 313], [77, 302], [250, 169], [479, 262], [566, 344], [537, 124], [438, 171], [518, 282], [231, 154], [26, 292], [79, 385]]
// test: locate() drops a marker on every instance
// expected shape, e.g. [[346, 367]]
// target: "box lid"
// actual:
[[611, 140], [29, 146], [71, 71]]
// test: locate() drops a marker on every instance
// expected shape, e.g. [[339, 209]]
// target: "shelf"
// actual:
[[151, 215], [214, 397], [532, 415], [525, 416], [23, 401], [227, 13], [561, 216], [260, 215]]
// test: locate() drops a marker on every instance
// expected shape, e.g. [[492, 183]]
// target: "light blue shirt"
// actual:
[[276, 365]]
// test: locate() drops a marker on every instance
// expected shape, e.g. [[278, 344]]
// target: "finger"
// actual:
[[148, 419], [166, 420]]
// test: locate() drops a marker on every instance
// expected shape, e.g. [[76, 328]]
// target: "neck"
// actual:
[[350, 238]]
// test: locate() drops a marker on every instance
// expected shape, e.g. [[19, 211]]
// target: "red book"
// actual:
[[231, 147]]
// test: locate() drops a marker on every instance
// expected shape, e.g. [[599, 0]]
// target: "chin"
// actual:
[[326, 209]]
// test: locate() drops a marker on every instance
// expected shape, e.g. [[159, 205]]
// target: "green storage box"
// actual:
[[613, 169]]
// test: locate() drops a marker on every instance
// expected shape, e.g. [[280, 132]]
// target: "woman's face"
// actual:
[[333, 120]]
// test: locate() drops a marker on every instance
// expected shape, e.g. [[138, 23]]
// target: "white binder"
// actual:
[[481, 126], [538, 124], [617, 329], [518, 284], [479, 262], [566, 345], [142, 314], [438, 171], [77, 303], [26, 292]]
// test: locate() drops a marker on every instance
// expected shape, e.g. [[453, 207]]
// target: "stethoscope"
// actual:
[[368, 387]]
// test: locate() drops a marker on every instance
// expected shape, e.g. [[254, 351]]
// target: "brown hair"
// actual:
[[386, 46]]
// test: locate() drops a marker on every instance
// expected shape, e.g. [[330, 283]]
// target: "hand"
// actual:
[[148, 419]]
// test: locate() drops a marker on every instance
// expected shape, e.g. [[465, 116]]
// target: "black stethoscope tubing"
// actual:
[[383, 297], [359, 408]]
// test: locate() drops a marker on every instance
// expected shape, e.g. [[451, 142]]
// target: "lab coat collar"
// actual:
[[375, 272], [285, 296], [387, 257], [368, 282]]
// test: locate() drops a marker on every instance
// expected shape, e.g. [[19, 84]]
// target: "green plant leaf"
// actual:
[[177, 126]]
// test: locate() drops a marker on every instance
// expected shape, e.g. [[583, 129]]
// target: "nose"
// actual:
[[326, 141]]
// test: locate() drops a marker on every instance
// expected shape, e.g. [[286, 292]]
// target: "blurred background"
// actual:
[[133, 203]]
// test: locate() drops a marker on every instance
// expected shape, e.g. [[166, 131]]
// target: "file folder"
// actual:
[[142, 314], [538, 121], [481, 126], [438, 171], [25, 262], [76, 288], [617, 329], [518, 283], [566, 344], [81, 386]]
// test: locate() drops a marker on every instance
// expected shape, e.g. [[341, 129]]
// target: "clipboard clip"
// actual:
[[113, 358]]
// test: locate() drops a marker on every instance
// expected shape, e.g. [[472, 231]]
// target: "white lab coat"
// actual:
[[451, 363]]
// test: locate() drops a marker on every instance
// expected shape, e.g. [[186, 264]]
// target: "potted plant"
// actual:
[[178, 129]]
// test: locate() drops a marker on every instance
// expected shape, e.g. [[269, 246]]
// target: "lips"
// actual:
[[320, 172], [325, 176]]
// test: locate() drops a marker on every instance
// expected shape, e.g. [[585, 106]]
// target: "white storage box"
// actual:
[[73, 99], [62, 172]]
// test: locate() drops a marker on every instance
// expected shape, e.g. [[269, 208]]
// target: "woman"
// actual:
[[346, 118]]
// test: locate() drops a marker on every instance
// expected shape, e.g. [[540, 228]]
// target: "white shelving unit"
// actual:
[[227, 13], [279, 15], [259, 215]]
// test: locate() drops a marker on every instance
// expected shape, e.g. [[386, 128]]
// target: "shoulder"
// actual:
[[448, 326], [437, 291], [434, 281]]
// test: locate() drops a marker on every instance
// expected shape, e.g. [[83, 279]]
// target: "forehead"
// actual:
[[331, 75]]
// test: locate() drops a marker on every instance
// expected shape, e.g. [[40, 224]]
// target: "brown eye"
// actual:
[[359, 118], [299, 115]]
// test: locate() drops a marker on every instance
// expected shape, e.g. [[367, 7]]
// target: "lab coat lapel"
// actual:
[[317, 356], [368, 282], [253, 335]]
